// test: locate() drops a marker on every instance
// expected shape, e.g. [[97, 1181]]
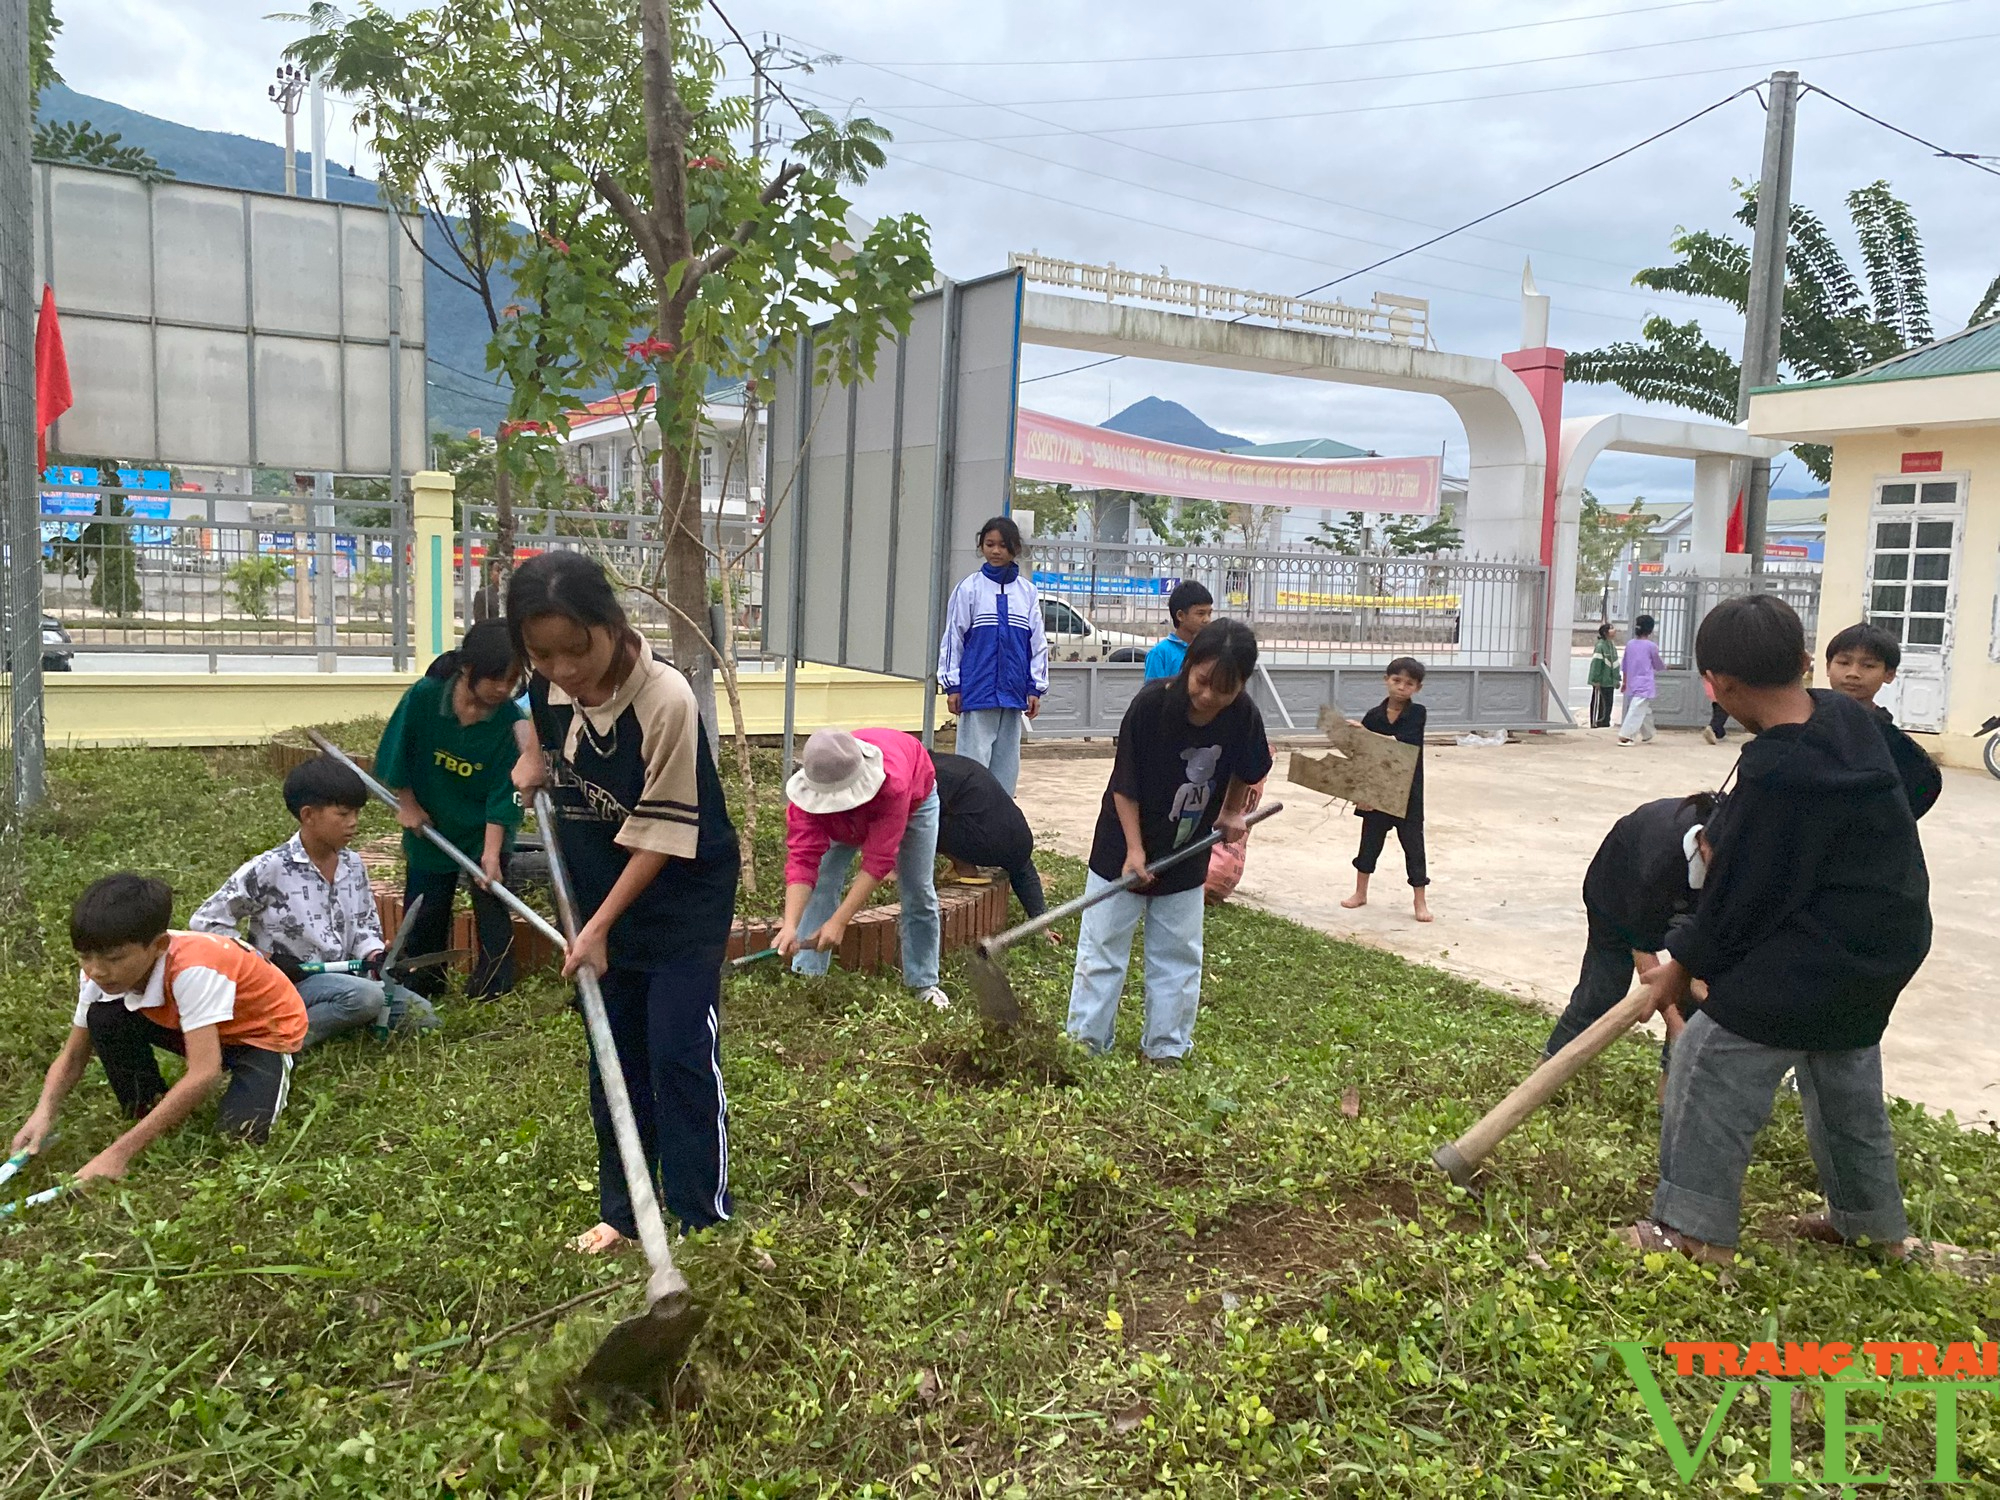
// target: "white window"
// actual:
[[1914, 530], [708, 468]]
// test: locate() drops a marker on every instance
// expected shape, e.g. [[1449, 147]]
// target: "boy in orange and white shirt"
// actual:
[[214, 1000]]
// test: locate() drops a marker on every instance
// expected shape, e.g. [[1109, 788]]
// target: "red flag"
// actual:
[[53, 396], [1733, 539]]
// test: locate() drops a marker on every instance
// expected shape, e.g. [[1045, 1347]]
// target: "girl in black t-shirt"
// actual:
[[1189, 749], [649, 846]]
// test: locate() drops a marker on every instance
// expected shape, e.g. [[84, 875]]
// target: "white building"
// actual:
[[613, 449]]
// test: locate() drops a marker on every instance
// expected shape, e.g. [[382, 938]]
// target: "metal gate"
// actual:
[[1679, 602]]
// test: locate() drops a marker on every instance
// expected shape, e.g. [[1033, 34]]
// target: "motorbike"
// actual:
[[1991, 751]]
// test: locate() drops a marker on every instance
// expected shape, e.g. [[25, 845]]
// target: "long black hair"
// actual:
[[486, 653], [568, 584], [1230, 649]]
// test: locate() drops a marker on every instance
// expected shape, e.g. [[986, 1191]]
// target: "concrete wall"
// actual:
[[1859, 462], [158, 708]]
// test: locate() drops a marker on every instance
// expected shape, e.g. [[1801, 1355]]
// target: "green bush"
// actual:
[[255, 581]]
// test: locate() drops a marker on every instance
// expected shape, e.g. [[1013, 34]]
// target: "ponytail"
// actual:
[[485, 654]]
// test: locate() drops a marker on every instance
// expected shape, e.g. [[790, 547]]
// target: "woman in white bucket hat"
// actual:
[[871, 792]]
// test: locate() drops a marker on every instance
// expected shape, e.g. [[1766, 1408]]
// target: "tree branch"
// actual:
[[724, 253], [612, 191]]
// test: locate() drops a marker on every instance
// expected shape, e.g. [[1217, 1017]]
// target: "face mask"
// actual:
[[1697, 866]]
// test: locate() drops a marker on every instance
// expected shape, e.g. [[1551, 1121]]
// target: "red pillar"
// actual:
[[1541, 371]]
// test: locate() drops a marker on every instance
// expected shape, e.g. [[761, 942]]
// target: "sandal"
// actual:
[[1941, 1253], [1650, 1235]]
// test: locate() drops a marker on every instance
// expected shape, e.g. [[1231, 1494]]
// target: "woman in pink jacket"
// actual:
[[872, 792]]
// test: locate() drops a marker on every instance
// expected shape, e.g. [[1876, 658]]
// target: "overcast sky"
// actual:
[[1275, 146]]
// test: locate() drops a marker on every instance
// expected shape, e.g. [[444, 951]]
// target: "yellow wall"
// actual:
[[1973, 690], [133, 708]]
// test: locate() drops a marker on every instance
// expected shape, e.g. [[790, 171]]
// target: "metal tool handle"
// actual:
[[1000, 942], [33, 1200], [459, 857], [750, 958], [666, 1278]]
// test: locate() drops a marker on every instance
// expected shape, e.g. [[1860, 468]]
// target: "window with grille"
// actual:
[[1913, 559]]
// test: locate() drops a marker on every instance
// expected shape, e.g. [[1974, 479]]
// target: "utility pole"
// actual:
[[285, 94], [318, 107], [1764, 316]]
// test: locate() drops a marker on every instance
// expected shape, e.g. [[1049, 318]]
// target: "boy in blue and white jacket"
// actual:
[[993, 662]]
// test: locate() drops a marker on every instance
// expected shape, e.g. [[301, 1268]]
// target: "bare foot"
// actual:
[[1423, 906], [1359, 898], [601, 1239]]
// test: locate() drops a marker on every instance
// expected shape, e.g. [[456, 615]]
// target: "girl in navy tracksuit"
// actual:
[[993, 662]]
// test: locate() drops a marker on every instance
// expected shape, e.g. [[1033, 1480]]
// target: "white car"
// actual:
[[1073, 637]]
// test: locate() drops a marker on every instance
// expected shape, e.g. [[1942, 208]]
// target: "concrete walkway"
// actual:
[[1511, 830]]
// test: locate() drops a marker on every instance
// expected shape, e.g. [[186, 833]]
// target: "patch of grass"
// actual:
[[954, 1270]]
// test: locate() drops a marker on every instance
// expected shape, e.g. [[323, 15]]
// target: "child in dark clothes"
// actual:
[[1860, 661], [1813, 917], [1400, 717]]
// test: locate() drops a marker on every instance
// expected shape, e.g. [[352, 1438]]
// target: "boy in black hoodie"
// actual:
[[1641, 880], [1812, 918], [1860, 661]]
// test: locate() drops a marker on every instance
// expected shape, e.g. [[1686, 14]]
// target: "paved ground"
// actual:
[[1511, 830]]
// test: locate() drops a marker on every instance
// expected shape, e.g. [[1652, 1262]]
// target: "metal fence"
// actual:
[[220, 575], [1307, 605], [632, 548], [1679, 602], [20, 580]]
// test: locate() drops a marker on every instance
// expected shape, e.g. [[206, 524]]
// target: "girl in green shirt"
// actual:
[[1603, 677], [449, 754]]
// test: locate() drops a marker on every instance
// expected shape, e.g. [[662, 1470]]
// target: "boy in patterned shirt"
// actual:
[[308, 901]]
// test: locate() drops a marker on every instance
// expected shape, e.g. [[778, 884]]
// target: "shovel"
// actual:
[[641, 1354], [998, 1005], [457, 855], [1460, 1159]]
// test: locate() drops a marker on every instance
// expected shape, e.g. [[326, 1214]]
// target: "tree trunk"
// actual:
[[500, 556]]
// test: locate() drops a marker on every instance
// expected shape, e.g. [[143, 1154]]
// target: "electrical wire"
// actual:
[[1433, 72], [1558, 88], [1239, 211], [1387, 41], [493, 380], [1967, 157]]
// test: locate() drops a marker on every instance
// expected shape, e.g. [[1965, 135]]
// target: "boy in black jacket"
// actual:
[[1641, 880], [1400, 717], [1814, 915], [1860, 661]]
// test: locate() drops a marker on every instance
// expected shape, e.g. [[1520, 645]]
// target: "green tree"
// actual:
[[1056, 506], [1184, 523], [75, 142], [1602, 537], [1398, 536], [1835, 321]]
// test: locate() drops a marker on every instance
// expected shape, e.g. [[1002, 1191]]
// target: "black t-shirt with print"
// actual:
[[1177, 772]]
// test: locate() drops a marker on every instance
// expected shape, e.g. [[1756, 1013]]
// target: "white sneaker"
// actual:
[[936, 997], [1708, 737]]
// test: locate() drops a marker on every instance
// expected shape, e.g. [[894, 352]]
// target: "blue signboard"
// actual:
[[60, 503], [1104, 583]]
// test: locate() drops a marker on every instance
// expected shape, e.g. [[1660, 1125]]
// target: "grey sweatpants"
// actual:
[[1719, 1092]]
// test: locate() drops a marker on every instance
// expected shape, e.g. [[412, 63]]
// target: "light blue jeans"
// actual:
[[337, 1003], [992, 736], [916, 887], [1173, 968]]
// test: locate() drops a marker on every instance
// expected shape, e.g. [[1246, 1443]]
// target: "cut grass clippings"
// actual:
[[957, 1268]]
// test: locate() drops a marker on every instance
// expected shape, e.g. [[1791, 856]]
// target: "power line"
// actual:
[[1539, 192], [1242, 212], [1526, 198], [1967, 157], [1558, 88], [1479, 67], [1181, 161], [1387, 41], [482, 379]]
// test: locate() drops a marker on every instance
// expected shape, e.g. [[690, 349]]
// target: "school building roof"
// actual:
[[1970, 351], [1302, 448]]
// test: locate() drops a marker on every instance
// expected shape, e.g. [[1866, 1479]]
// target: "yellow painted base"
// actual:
[[89, 709], [1961, 750]]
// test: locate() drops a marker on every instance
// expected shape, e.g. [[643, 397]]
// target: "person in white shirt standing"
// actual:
[[993, 662]]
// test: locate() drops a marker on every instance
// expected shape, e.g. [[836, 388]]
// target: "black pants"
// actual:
[[1718, 720], [1600, 706], [124, 1041], [965, 840], [1375, 828], [668, 1034], [493, 974], [1604, 980]]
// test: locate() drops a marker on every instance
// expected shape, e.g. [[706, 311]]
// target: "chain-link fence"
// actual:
[[20, 579]]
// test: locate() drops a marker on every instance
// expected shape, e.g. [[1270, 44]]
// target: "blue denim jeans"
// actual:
[[1173, 968], [337, 1003], [916, 888], [992, 736], [1719, 1092]]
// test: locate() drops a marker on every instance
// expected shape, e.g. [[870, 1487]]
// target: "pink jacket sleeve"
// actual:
[[909, 779], [807, 839]]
